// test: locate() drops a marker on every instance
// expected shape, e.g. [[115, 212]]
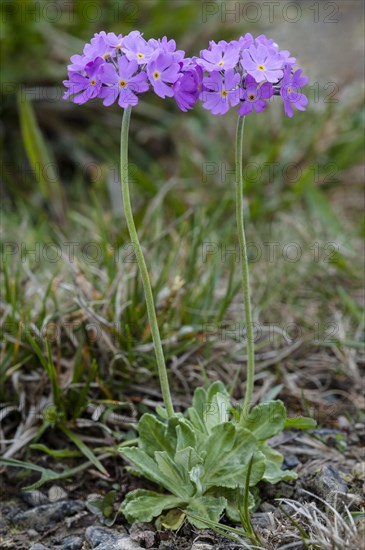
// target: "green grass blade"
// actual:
[[39, 158], [46, 474], [81, 403], [84, 449]]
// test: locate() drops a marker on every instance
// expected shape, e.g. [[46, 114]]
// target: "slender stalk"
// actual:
[[161, 365], [244, 270]]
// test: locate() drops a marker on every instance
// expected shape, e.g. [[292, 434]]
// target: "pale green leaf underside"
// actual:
[[142, 505]]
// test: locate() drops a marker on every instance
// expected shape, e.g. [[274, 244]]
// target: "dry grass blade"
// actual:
[[324, 529]]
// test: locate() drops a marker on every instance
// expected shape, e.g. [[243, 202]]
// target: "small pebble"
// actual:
[[261, 519], [343, 423], [144, 534], [34, 498], [290, 462], [44, 517], [329, 485], [56, 493], [267, 507], [72, 543], [358, 471], [108, 539]]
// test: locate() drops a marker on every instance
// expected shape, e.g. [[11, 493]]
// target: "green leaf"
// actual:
[[185, 435], [162, 413], [197, 420], [233, 475], [300, 423], [266, 419], [274, 460], [153, 436], [231, 468], [187, 458], [217, 411], [218, 445], [196, 412], [232, 495], [173, 520], [146, 465], [196, 475], [216, 387], [206, 507], [244, 446], [210, 407], [142, 505], [200, 401], [177, 476], [106, 506]]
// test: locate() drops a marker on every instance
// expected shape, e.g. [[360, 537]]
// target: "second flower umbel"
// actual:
[[248, 72]]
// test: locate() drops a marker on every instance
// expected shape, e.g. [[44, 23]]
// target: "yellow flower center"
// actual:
[[224, 93], [92, 82], [122, 83], [221, 63], [140, 55], [261, 67], [156, 75], [106, 56], [251, 97], [119, 47], [289, 90]]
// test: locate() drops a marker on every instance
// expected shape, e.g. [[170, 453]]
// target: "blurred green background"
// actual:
[[60, 184]]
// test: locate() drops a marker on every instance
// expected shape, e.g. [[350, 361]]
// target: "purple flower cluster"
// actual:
[[248, 72], [119, 68]]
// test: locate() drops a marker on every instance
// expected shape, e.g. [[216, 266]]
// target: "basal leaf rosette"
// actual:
[[199, 462]]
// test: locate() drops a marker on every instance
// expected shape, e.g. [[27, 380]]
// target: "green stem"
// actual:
[[244, 271], [162, 372]]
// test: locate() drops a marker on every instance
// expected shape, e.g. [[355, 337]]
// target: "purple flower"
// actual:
[[123, 84], [114, 41], [98, 47], [78, 63], [89, 85], [253, 96], [285, 55], [221, 91], [262, 63], [136, 48], [187, 88], [244, 42], [289, 91], [268, 42], [162, 71], [219, 57], [166, 46]]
